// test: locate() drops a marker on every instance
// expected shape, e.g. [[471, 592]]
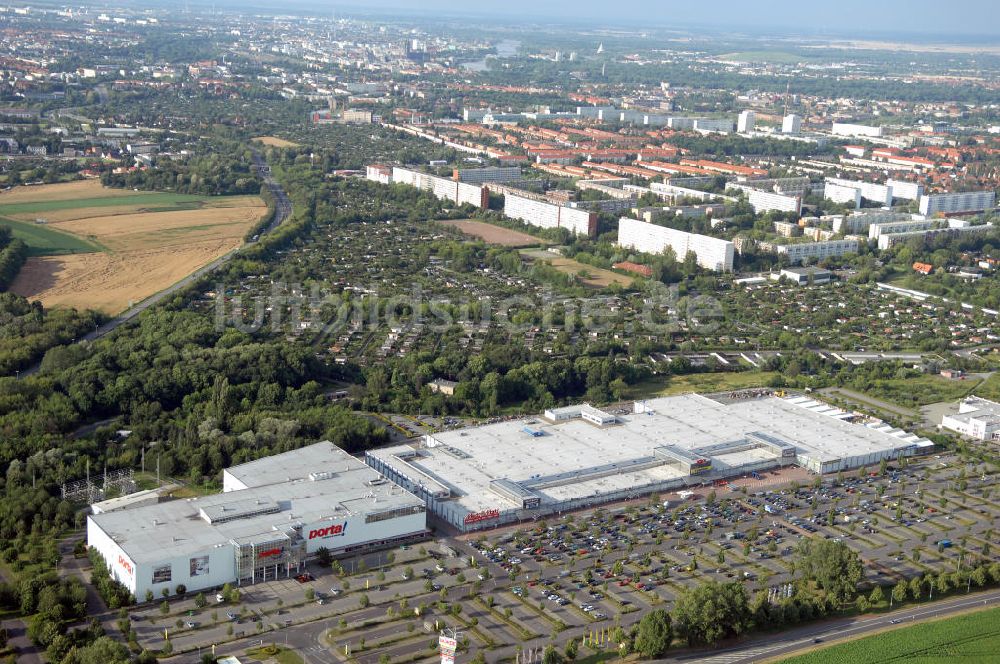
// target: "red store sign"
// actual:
[[270, 552], [330, 531], [485, 515], [126, 565]]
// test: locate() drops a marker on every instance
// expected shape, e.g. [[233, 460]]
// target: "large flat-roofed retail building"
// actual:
[[273, 514], [578, 456]]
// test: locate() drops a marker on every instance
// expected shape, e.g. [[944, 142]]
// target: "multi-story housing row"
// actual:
[[763, 201], [839, 193], [965, 201], [446, 188], [544, 214], [890, 240], [801, 251], [876, 230], [861, 221], [711, 253], [487, 174]]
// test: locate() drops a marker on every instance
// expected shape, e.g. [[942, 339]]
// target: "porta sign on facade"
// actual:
[[125, 564], [335, 530]]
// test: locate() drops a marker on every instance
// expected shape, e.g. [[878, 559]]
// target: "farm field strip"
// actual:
[[126, 246]]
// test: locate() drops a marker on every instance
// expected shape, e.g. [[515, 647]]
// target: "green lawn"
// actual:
[[919, 391], [989, 388], [45, 241], [703, 382], [970, 638], [163, 200], [281, 655]]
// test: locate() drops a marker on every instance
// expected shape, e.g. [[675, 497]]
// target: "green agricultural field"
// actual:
[[970, 638], [44, 241], [164, 201], [701, 382]]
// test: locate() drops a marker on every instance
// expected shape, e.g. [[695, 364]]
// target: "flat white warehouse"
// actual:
[[272, 514], [580, 456]]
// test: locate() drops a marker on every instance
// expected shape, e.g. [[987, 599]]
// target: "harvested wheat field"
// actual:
[[275, 142], [61, 192], [495, 234], [145, 247]]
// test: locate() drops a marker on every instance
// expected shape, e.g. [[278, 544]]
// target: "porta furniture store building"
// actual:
[[273, 514]]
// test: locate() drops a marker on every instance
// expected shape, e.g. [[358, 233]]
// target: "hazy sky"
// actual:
[[928, 17]]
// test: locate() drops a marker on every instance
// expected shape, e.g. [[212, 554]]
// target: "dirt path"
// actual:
[[871, 402]]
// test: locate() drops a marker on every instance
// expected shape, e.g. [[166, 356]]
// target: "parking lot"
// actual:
[[578, 574]]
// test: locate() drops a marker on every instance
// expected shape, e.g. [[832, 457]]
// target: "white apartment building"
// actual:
[[910, 191], [762, 201], [879, 193], [839, 193], [488, 174], [379, 173], [817, 251], [712, 253], [746, 122], [791, 124], [860, 222], [712, 124], [550, 215], [890, 240], [876, 230], [964, 201]]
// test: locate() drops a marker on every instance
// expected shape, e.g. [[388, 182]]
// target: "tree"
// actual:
[[876, 596], [323, 556], [899, 591], [571, 650], [551, 655], [310, 594], [655, 634], [710, 612], [832, 565], [104, 650], [363, 601], [199, 600]]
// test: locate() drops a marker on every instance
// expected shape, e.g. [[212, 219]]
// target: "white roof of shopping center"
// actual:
[[346, 488], [467, 460]]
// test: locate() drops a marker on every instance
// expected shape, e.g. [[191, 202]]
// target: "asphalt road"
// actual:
[[282, 210], [831, 631]]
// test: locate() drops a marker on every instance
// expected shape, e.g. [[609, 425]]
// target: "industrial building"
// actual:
[[579, 456], [848, 129], [273, 514], [711, 253], [976, 418]]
